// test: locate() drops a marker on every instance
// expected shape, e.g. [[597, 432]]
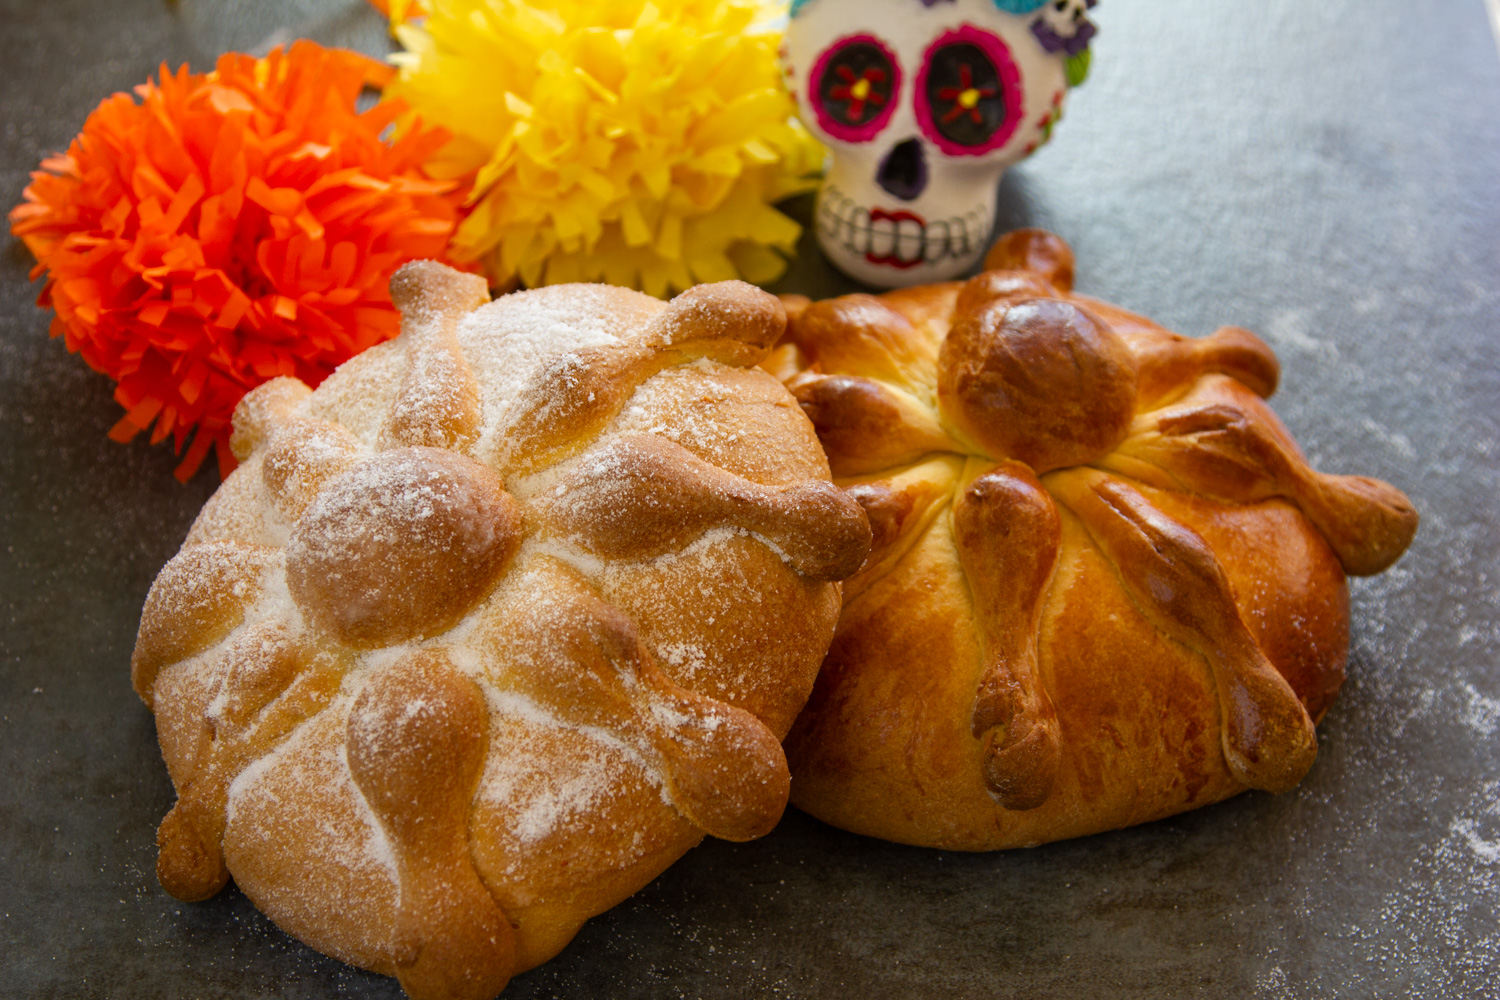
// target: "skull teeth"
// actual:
[[883, 238], [899, 239]]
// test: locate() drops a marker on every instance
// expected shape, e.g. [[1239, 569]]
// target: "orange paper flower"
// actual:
[[231, 227]]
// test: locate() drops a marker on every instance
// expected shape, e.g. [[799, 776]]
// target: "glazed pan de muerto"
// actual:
[[1105, 586], [495, 624]]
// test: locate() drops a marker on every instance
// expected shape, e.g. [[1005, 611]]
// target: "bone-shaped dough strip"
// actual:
[[262, 410], [861, 335], [866, 426], [725, 771], [580, 393], [642, 496], [303, 456], [900, 509], [271, 684], [574, 398], [1175, 580], [1221, 444], [198, 598], [417, 738], [1035, 251], [1007, 532], [1005, 288], [730, 322], [1169, 361], [437, 405]]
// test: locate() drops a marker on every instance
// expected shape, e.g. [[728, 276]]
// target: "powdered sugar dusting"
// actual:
[[508, 341], [393, 500], [690, 426], [589, 566], [520, 779], [686, 658], [362, 390], [705, 543], [241, 510], [313, 764]]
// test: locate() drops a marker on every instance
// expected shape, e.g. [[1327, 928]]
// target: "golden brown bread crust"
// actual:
[[496, 624], [1105, 585]]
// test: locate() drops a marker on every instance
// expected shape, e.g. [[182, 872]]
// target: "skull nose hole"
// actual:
[[903, 172]]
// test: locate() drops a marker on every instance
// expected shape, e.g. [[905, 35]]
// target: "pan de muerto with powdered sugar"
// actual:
[[1105, 585], [496, 624]]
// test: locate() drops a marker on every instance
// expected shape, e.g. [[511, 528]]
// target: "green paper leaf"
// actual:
[[1078, 67]]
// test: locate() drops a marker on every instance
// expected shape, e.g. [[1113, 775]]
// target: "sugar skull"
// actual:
[[924, 103]]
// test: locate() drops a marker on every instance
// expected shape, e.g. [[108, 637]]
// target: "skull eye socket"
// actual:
[[854, 87], [969, 93]]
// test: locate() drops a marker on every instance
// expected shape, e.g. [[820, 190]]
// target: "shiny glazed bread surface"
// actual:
[[1105, 584]]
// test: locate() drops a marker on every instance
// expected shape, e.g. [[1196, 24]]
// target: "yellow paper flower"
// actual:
[[634, 142]]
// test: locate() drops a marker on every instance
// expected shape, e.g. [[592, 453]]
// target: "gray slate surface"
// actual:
[[1323, 173]]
